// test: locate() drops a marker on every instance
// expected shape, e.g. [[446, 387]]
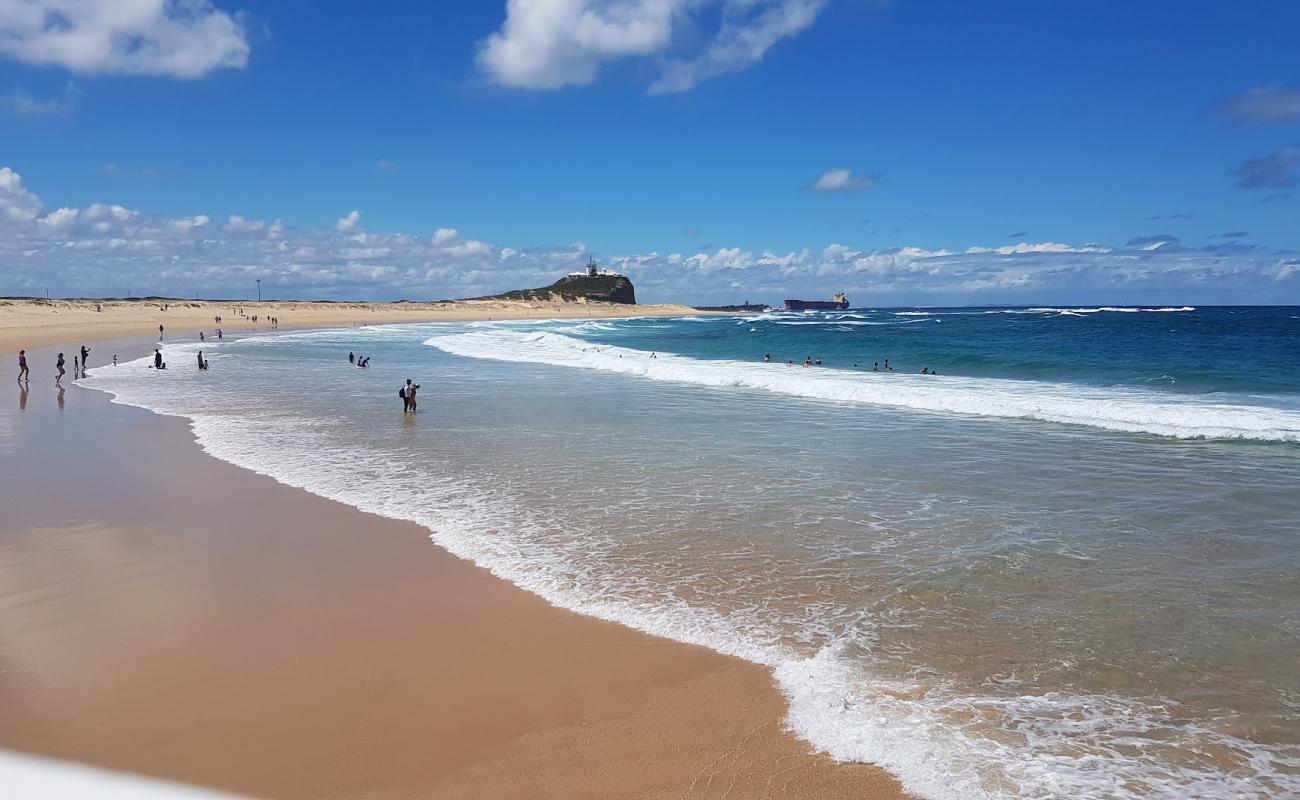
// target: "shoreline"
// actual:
[[442, 680], [32, 323]]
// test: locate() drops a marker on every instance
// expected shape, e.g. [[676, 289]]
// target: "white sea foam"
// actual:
[[1029, 746], [1127, 410], [30, 778]]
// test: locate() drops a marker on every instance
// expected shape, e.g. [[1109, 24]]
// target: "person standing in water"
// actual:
[[158, 362], [411, 389], [23, 372], [160, 333], [352, 357], [59, 366], [85, 358]]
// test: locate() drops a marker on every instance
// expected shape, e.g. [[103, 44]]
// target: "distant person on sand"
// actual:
[[59, 366], [23, 372]]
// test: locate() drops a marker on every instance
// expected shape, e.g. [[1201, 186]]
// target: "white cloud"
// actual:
[[238, 224], [176, 38], [749, 30], [1042, 247], [102, 248], [349, 222], [834, 181], [61, 218], [550, 44], [16, 203], [385, 164]]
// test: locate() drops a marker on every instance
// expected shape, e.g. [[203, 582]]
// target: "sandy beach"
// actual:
[[166, 614], [28, 323]]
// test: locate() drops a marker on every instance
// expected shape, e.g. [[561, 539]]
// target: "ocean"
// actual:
[[1067, 565]]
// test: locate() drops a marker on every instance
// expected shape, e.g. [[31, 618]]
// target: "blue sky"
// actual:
[[543, 131]]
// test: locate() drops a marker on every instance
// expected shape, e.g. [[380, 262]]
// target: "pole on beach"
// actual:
[[259, 290]]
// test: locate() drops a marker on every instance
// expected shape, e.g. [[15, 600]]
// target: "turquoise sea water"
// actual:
[[1067, 566]]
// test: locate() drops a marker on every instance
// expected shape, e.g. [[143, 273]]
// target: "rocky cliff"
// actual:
[[601, 288]]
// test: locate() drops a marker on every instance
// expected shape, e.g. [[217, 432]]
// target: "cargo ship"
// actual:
[[838, 303]]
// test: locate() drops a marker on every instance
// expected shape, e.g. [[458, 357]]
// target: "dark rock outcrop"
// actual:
[[599, 288]]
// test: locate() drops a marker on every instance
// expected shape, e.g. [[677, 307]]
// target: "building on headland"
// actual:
[[593, 271]]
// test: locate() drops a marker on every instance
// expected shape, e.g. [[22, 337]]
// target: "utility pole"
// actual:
[[259, 290]]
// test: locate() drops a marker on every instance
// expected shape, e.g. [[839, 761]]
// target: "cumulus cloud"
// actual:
[[837, 181], [16, 203], [175, 38], [550, 44], [1263, 104], [349, 222], [1273, 171], [103, 248], [238, 224]]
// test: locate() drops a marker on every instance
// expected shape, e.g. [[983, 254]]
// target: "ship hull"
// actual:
[[816, 305]]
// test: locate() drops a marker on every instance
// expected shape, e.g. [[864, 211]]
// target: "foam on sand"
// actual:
[[1125, 410], [30, 777]]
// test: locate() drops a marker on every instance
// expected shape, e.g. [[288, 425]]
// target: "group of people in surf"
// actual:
[[876, 366]]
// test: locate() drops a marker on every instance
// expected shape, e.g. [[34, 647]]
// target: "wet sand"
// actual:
[[170, 615]]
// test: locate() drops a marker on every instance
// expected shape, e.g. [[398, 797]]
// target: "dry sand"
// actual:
[[167, 614], [37, 323]]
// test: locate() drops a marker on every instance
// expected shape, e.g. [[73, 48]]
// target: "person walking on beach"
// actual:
[[59, 366], [23, 372]]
